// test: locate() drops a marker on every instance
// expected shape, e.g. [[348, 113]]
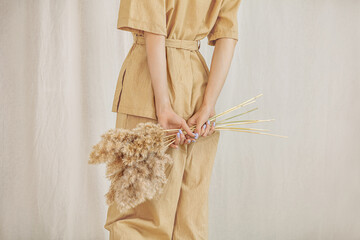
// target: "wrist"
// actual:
[[208, 106], [162, 107]]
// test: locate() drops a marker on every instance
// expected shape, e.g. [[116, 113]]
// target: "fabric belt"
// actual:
[[191, 45]]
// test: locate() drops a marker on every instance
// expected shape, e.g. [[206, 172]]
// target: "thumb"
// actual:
[[187, 129]]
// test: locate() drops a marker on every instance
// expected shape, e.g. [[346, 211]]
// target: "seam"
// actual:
[[192, 83], [202, 60], [219, 31], [122, 86], [125, 66]]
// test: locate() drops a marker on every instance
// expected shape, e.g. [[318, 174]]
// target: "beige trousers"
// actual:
[[181, 210]]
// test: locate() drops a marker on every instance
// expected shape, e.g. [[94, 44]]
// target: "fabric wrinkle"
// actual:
[[181, 210]]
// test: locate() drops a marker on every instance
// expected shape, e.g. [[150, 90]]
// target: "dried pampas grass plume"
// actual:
[[135, 158], [135, 163]]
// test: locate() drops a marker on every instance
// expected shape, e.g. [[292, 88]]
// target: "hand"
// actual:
[[201, 119], [168, 119]]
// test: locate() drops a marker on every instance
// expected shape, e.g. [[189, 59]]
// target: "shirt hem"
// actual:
[[136, 26], [212, 37], [135, 111]]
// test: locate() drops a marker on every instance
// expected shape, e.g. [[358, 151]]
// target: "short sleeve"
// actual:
[[138, 16], [226, 25]]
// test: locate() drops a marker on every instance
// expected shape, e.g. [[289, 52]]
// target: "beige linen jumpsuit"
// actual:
[[181, 211]]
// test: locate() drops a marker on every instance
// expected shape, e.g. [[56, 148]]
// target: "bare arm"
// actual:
[[220, 65], [156, 58], [155, 50]]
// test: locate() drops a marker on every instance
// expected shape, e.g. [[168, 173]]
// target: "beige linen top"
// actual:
[[187, 71]]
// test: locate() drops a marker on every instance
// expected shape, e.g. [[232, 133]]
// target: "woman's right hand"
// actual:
[[168, 119]]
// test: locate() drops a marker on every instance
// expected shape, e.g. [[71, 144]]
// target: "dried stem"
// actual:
[[224, 123], [221, 129], [236, 107], [236, 115], [225, 112]]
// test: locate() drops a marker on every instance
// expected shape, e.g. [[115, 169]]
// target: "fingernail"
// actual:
[[178, 134], [193, 140], [196, 135], [204, 127], [208, 121], [214, 124], [189, 141], [180, 131]]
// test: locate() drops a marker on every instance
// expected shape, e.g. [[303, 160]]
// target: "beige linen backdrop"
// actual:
[[59, 66]]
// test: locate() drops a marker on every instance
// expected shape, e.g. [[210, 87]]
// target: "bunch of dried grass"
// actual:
[[136, 158], [135, 163]]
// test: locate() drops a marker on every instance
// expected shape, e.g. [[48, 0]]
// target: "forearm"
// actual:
[[156, 58], [220, 65]]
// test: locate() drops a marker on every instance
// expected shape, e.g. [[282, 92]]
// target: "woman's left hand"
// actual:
[[201, 119]]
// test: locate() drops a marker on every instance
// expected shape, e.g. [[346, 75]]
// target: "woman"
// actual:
[[165, 79]]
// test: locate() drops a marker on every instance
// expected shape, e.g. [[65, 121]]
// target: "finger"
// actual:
[[177, 139], [173, 146], [182, 137], [198, 129], [200, 125], [187, 129], [212, 128], [187, 139], [191, 123], [207, 128], [203, 129]]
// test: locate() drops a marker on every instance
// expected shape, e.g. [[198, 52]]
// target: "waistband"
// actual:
[[191, 45]]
